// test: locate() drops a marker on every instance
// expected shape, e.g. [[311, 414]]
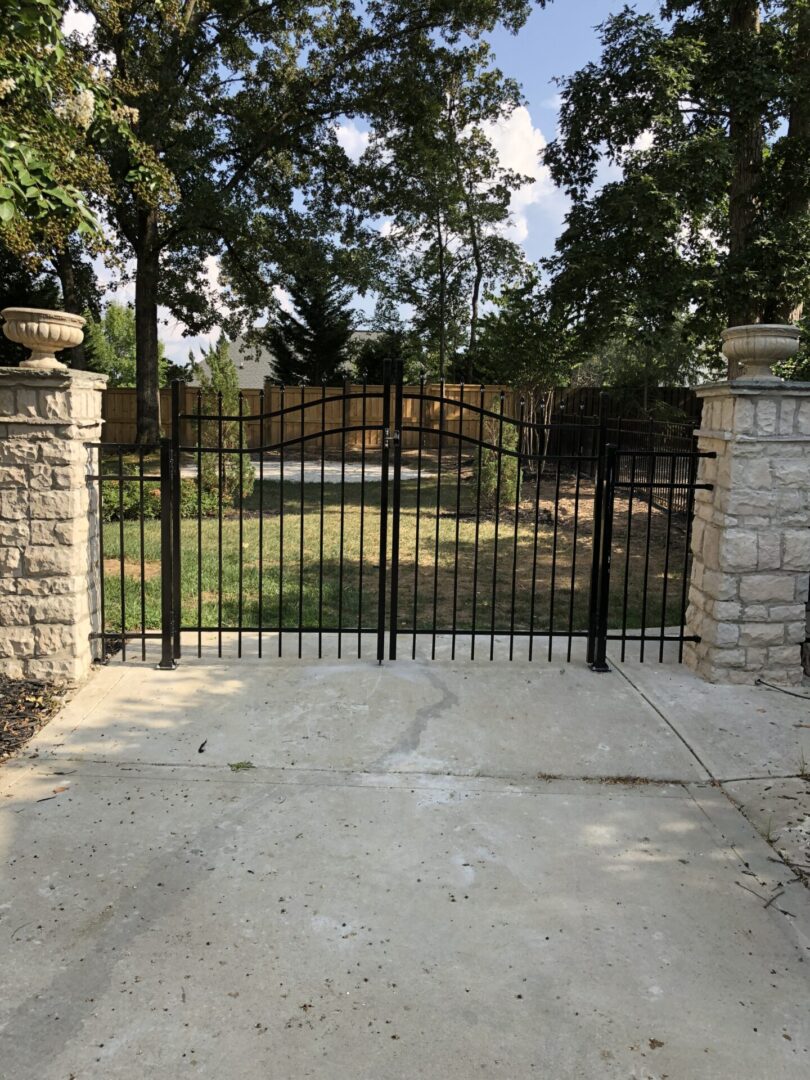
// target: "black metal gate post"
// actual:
[[598, 659], [386, 434], [178, 389], [396, 438], [167, 659], [598, 514]]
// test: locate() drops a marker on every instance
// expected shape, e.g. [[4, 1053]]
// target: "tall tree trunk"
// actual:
[[442, 298], [478, 262], [63, 260], [147, 375], [797, 152], [747, 144], [476, 296]]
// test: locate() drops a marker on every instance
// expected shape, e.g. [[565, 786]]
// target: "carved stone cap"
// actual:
[[59, 379]]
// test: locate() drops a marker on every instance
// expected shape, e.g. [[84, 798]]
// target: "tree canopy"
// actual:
[[432, 170], [706, 112], [237, 101], [110, 346]]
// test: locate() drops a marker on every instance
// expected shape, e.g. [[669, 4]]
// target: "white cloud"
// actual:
[[80, 23], [352, 139], [284, 299], [518, 144], [644, 141]]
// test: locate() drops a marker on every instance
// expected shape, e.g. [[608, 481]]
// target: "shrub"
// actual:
[[219, 377], [485, 466], [123, 501]]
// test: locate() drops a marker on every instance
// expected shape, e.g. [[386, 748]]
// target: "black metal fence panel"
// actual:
[[492, 526]]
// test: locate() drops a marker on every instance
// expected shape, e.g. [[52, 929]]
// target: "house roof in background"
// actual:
[[255, 364]]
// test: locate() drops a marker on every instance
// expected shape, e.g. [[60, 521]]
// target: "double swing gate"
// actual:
[[393, 520]]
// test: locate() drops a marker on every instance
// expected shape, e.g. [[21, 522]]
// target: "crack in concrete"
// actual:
[[408, 744]]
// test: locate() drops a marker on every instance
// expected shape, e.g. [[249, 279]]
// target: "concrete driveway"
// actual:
[[281, 869]]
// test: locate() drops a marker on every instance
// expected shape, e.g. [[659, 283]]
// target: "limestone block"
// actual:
[[16, 641], [55, 559], [767, 587], [755, 658], [57, 505], [738, 550], [754, 474], [791, 472], [796, 549], [767, 413], [12, 476], [9, 560], [744, 414], [720, 633], [769, 549], [750, 504], [52, 586], [58, 609], [14, 611], [721, 586], [19, 450], [803, 418], [780, 612], [761, 633], [43, 532], [727, 610], [52, 638], [13, 504], [68, 668], [728, 657], [789, 655], [14, 532], [788, 409]]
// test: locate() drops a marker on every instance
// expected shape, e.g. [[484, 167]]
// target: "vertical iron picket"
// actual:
[[178, 388], [167, 659], [598, 502], [386, 426], [396, 436], [598, 662]]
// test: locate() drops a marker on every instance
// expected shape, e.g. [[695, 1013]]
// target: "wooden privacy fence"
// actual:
[[309, 412], [346, 410]]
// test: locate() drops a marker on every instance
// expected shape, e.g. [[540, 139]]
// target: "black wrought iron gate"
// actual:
[[411, 520]]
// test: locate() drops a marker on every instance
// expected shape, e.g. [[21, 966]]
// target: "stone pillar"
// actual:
[[49, 562], [751, 534]]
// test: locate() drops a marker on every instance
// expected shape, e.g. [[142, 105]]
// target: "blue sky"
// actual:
[[555, 41]]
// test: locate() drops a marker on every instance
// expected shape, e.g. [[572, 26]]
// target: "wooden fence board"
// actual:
[[119, 411]]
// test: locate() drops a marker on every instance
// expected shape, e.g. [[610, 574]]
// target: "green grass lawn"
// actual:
[[332, 592]]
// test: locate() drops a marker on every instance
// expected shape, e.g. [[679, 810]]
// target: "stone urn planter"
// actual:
[[758, 347], [45, 333]]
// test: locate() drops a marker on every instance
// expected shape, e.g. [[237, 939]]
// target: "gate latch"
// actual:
[[390, 436]]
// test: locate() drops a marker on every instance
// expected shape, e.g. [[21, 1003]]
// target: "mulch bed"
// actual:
[[26, 705]]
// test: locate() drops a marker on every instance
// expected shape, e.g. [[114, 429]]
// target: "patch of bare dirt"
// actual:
[[132, 568]]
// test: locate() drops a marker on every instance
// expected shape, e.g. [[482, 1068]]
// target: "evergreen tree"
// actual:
[[310, 344], [219, 382]]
